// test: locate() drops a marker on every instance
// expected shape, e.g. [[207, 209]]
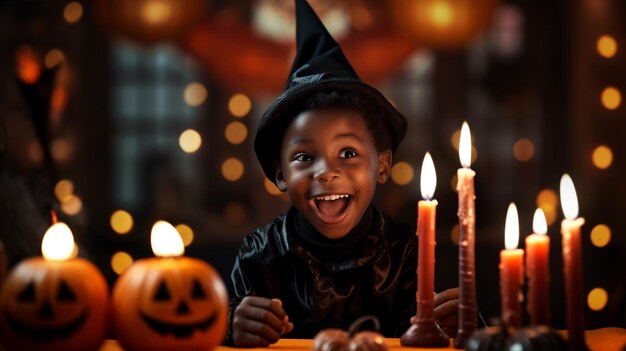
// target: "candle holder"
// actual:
[[425, 333]]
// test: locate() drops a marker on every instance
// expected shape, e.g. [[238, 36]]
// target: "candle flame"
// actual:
[[165, 240], [465, 146], [569, 200], [540, 226], [58, 242], [428, 179], [511, 228]]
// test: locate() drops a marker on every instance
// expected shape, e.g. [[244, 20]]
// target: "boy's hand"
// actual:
[[259, 322], [446, 311]]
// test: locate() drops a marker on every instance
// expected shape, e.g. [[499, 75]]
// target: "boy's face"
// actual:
[[330, 168]]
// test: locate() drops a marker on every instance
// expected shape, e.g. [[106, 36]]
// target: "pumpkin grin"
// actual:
[[46, 333], [178, 330]]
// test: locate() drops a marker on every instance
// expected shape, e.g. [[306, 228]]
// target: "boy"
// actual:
[[327, 141]]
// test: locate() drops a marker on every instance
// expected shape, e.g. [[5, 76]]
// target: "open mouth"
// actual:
[[47, 333], [331, 208]]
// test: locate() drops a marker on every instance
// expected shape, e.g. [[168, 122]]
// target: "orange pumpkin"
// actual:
[[171, 303], [54, 305]]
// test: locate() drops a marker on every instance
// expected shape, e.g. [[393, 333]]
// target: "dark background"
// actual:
[[515, 70]]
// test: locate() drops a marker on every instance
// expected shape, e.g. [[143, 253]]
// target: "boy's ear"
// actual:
[[281, 184], [384, 166]]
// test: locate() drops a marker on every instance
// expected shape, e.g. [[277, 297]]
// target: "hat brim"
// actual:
[[286, 107]]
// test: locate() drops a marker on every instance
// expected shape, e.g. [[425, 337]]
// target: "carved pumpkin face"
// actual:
[[50, 305], [173, 303]]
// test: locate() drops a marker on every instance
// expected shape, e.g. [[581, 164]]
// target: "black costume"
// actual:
[[325, 283]]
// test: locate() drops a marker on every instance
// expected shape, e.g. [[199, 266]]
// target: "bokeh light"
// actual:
[[121, 222], [597, 299], [232, 169], [441, 13], [548, 201], [523, 150], [53, 58], [454, 234], [239, 105], [236, 132], [64, 190], [72, 206], [402, 173], [61, 149], [600, 235], [271, 187], [455, 139], [156, 12], [195, 94], [454, 182], [120, 261], [190, 141], [606, 46], [602, 157], [186, 233], [611, 98], [73, 12]]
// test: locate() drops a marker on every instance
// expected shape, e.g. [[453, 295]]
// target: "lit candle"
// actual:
[[56, 301], [170, 301], [572, 264], [511, 272], [538, 271], [426, 332], [468, 318]]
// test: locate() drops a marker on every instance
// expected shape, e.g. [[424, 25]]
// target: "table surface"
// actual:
[[605, 339]]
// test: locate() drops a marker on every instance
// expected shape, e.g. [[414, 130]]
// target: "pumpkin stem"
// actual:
[[354, 327]]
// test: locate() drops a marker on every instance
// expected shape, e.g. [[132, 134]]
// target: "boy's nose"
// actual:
[[325, 172]]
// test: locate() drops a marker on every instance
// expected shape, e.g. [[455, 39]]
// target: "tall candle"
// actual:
[[466, 212], [538, 271], [425, 332], [572, 264], [511, 272]]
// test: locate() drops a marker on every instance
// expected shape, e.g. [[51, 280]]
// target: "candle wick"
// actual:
[[53, 215]]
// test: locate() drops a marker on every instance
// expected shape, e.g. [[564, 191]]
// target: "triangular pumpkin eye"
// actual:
[[65, 293], [163, 293], [197, 292], [28, 294]]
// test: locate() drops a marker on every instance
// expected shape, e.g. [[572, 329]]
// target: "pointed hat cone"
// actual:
[[319, 65]]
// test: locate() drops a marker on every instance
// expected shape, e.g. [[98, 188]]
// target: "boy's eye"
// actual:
[[302, 157], [348, 153]]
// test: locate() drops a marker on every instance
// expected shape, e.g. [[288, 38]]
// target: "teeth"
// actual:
[[331, 197]]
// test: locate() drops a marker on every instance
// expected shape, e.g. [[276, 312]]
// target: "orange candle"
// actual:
[[537, 271], [572, 264], [425, 332], [511, 272], [468, 318]]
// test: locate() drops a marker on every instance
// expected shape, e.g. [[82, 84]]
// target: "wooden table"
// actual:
[[605, 339]]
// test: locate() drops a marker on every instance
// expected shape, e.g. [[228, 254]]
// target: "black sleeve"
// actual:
[[239, 285]]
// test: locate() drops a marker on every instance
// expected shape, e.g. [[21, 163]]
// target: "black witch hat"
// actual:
[[320, 65]]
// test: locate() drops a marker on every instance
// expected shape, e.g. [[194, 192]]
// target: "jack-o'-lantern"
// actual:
[[54, 304], [169, 302]]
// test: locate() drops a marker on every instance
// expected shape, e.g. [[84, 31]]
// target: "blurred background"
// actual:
[[116, 114]]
